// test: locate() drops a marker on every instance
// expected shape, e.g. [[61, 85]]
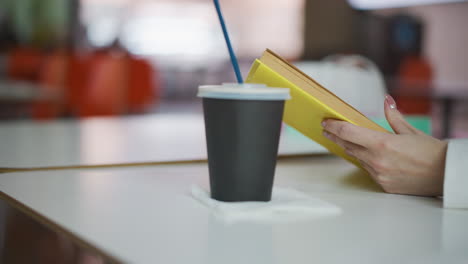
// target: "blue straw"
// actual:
[[234, 62]]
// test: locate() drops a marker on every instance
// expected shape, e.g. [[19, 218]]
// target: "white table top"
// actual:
[[97, 141], [145, 215]]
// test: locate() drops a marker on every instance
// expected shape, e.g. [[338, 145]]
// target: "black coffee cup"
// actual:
[[242, 124]]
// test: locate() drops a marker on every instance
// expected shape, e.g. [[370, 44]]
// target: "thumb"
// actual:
[[396, 119]]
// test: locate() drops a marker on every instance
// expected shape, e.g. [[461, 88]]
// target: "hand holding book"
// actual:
[[408, 162]]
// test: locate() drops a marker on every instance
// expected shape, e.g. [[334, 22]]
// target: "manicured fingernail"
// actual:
[[324, 123], [326, 134], [390, 101]]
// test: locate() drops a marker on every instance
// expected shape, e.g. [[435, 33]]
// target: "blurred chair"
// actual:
[[353, 78], [79, 66], [23, 64], [105, 82], [52, 85], [114, 83], [105, 91], [144, 85]]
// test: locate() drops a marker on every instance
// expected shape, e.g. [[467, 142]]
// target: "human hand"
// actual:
[[407, 162]]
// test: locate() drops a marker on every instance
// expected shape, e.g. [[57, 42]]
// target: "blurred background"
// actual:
[[87, 58], [79, 59]]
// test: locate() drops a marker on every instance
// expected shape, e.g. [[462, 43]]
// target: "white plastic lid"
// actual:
[[245, 91]]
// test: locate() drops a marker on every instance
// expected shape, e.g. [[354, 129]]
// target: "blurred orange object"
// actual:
[[52, 76], [113, 82], [77, 80], [106, 89], [144, 86], [24, 64], [106, 82], [413, 96]]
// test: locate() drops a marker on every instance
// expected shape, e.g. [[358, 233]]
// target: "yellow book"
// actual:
[[310, 102]]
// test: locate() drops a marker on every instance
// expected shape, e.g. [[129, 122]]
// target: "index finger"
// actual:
[[352, 133]]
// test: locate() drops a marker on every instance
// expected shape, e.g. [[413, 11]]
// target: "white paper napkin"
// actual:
[[286, 205]]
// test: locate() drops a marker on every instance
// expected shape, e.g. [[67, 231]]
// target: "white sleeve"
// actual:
[[456, 174]]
